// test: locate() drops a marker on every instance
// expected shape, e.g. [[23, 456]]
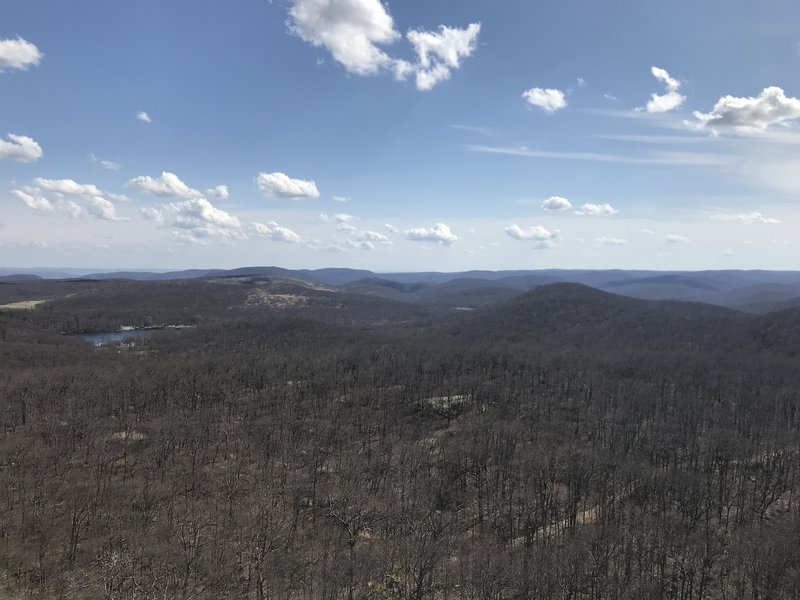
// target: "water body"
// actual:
[[107, 338]]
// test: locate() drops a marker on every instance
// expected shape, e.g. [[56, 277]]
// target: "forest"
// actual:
[[274, 437]]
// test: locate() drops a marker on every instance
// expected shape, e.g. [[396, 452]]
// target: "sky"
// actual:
[[400, 136]]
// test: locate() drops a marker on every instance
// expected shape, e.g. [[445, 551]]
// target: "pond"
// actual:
[[107, 338]]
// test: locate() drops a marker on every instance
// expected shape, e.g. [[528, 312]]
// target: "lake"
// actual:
[[106, 338]]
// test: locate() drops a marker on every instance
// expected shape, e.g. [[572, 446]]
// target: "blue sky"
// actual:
[[400, 135]]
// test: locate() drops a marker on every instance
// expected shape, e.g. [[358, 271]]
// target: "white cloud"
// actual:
[[67, 187], [549, 100], [672, 84], [197, 220], [93, 200], [20, 148], [356, 244], [438, 53], [611, 241], [219, 192], [676, 239], [439, 233], [109, 165], [144, 117], [390, 228], [597, 210], [152, 214], [348, 29], [746, 218], [750, 115], [556, 203], [353, 30], [374, 236], [669, 101], [33, 199], [343, 221], [167, 185], [280, 185], [339, 199], [18, 54], [543, 237], [276, 233], [73, 209], [102, 208], [201, 210]]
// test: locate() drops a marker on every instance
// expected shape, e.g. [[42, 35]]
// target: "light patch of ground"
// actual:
[[23, 305], [444, 404], [127, 436], [264, 297]]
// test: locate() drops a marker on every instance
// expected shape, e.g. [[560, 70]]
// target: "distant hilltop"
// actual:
[[752, 291]]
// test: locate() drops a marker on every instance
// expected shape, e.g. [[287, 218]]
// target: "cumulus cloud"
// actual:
[[611, 241], [63, 193], [197, 220], [549, 100], [20, 148], [166, 185], [102, 209], [597, 210], [33, 199], [353, 31], [67, 187], [750, 115], [673, 238], [348, 29], [543, 237], [280, 185], [390, 228], [355, 244], [276, 233], [439, 52], [144, 117], [375, 237], [194, 219], [671, 100], [219, 192], [152, 214], [746, 218], [18, 54], [344, 222], [556, 203], [439, 233]]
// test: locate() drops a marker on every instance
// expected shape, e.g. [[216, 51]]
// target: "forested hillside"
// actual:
[[303, 440]]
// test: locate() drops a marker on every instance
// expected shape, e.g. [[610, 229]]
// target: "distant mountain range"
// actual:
[[751, 291]]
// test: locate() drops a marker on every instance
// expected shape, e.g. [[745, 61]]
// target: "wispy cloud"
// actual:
[[745, 218], [689, 159]]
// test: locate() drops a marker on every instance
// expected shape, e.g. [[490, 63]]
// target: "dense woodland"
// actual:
[[309, 441]]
